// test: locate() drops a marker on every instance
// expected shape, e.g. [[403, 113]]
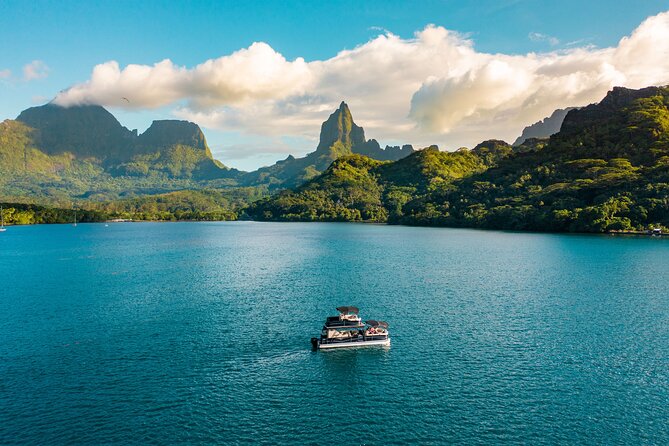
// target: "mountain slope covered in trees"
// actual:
[[607, 169], [59, 155], [55, 155]]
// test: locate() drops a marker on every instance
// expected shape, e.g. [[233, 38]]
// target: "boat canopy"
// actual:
[[373, 323], [347, 310]]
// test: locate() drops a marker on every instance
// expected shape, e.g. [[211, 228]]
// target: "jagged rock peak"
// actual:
[[340, 127], [544, 128]]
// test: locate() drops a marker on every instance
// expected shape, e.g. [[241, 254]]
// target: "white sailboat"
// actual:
[[2, 221], [75, 218]]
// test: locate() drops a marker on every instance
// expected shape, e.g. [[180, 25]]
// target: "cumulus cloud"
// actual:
[[252, 74], [432, 88], [508, 90], [35, 70]]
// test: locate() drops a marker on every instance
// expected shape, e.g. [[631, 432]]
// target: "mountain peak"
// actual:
[[91, 131], [625, 124], [168, 132], [544, 128], [340, 127], [86, 130]]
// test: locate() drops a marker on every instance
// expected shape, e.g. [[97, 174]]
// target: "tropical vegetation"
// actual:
[[606, 170]]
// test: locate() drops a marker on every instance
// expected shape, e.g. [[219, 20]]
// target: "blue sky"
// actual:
[[69, 38]]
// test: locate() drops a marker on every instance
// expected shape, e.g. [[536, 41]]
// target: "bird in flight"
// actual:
[[126, 99]]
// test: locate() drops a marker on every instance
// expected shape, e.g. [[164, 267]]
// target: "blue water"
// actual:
[[178, 333]]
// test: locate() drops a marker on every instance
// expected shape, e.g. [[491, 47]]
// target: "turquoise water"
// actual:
[[199, 332]]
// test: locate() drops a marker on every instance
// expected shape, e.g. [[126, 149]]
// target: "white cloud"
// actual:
[[5, 74], [253, 74], [539, 37], [432, 88], [35, 70], [507, 91]]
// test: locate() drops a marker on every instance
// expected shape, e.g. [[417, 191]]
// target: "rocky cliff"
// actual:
[[174, 148], [544, 128], [340, 136]]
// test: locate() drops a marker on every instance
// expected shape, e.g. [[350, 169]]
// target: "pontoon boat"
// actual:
[[348, 330]]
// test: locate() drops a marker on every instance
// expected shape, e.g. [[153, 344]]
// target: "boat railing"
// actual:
[[376, 337], [358, 338]]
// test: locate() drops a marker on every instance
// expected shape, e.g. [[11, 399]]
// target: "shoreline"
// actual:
[[610, 233], [637, 233]]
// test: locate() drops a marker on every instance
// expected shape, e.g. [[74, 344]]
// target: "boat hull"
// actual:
[[354, 344]]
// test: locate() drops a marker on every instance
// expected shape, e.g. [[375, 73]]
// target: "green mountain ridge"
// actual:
[[56, 155], [91, 132], [607, 169]]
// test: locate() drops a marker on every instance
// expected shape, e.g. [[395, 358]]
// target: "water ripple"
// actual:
[[199, 333]]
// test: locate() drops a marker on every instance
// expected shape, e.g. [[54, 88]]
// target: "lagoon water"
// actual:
[[179, 333]]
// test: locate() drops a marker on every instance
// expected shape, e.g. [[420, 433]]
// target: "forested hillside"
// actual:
[[607, 169]]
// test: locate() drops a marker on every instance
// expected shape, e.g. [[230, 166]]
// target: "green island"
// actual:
[[607, 169]]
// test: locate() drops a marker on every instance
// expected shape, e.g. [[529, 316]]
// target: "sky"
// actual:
[[259, 77]]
